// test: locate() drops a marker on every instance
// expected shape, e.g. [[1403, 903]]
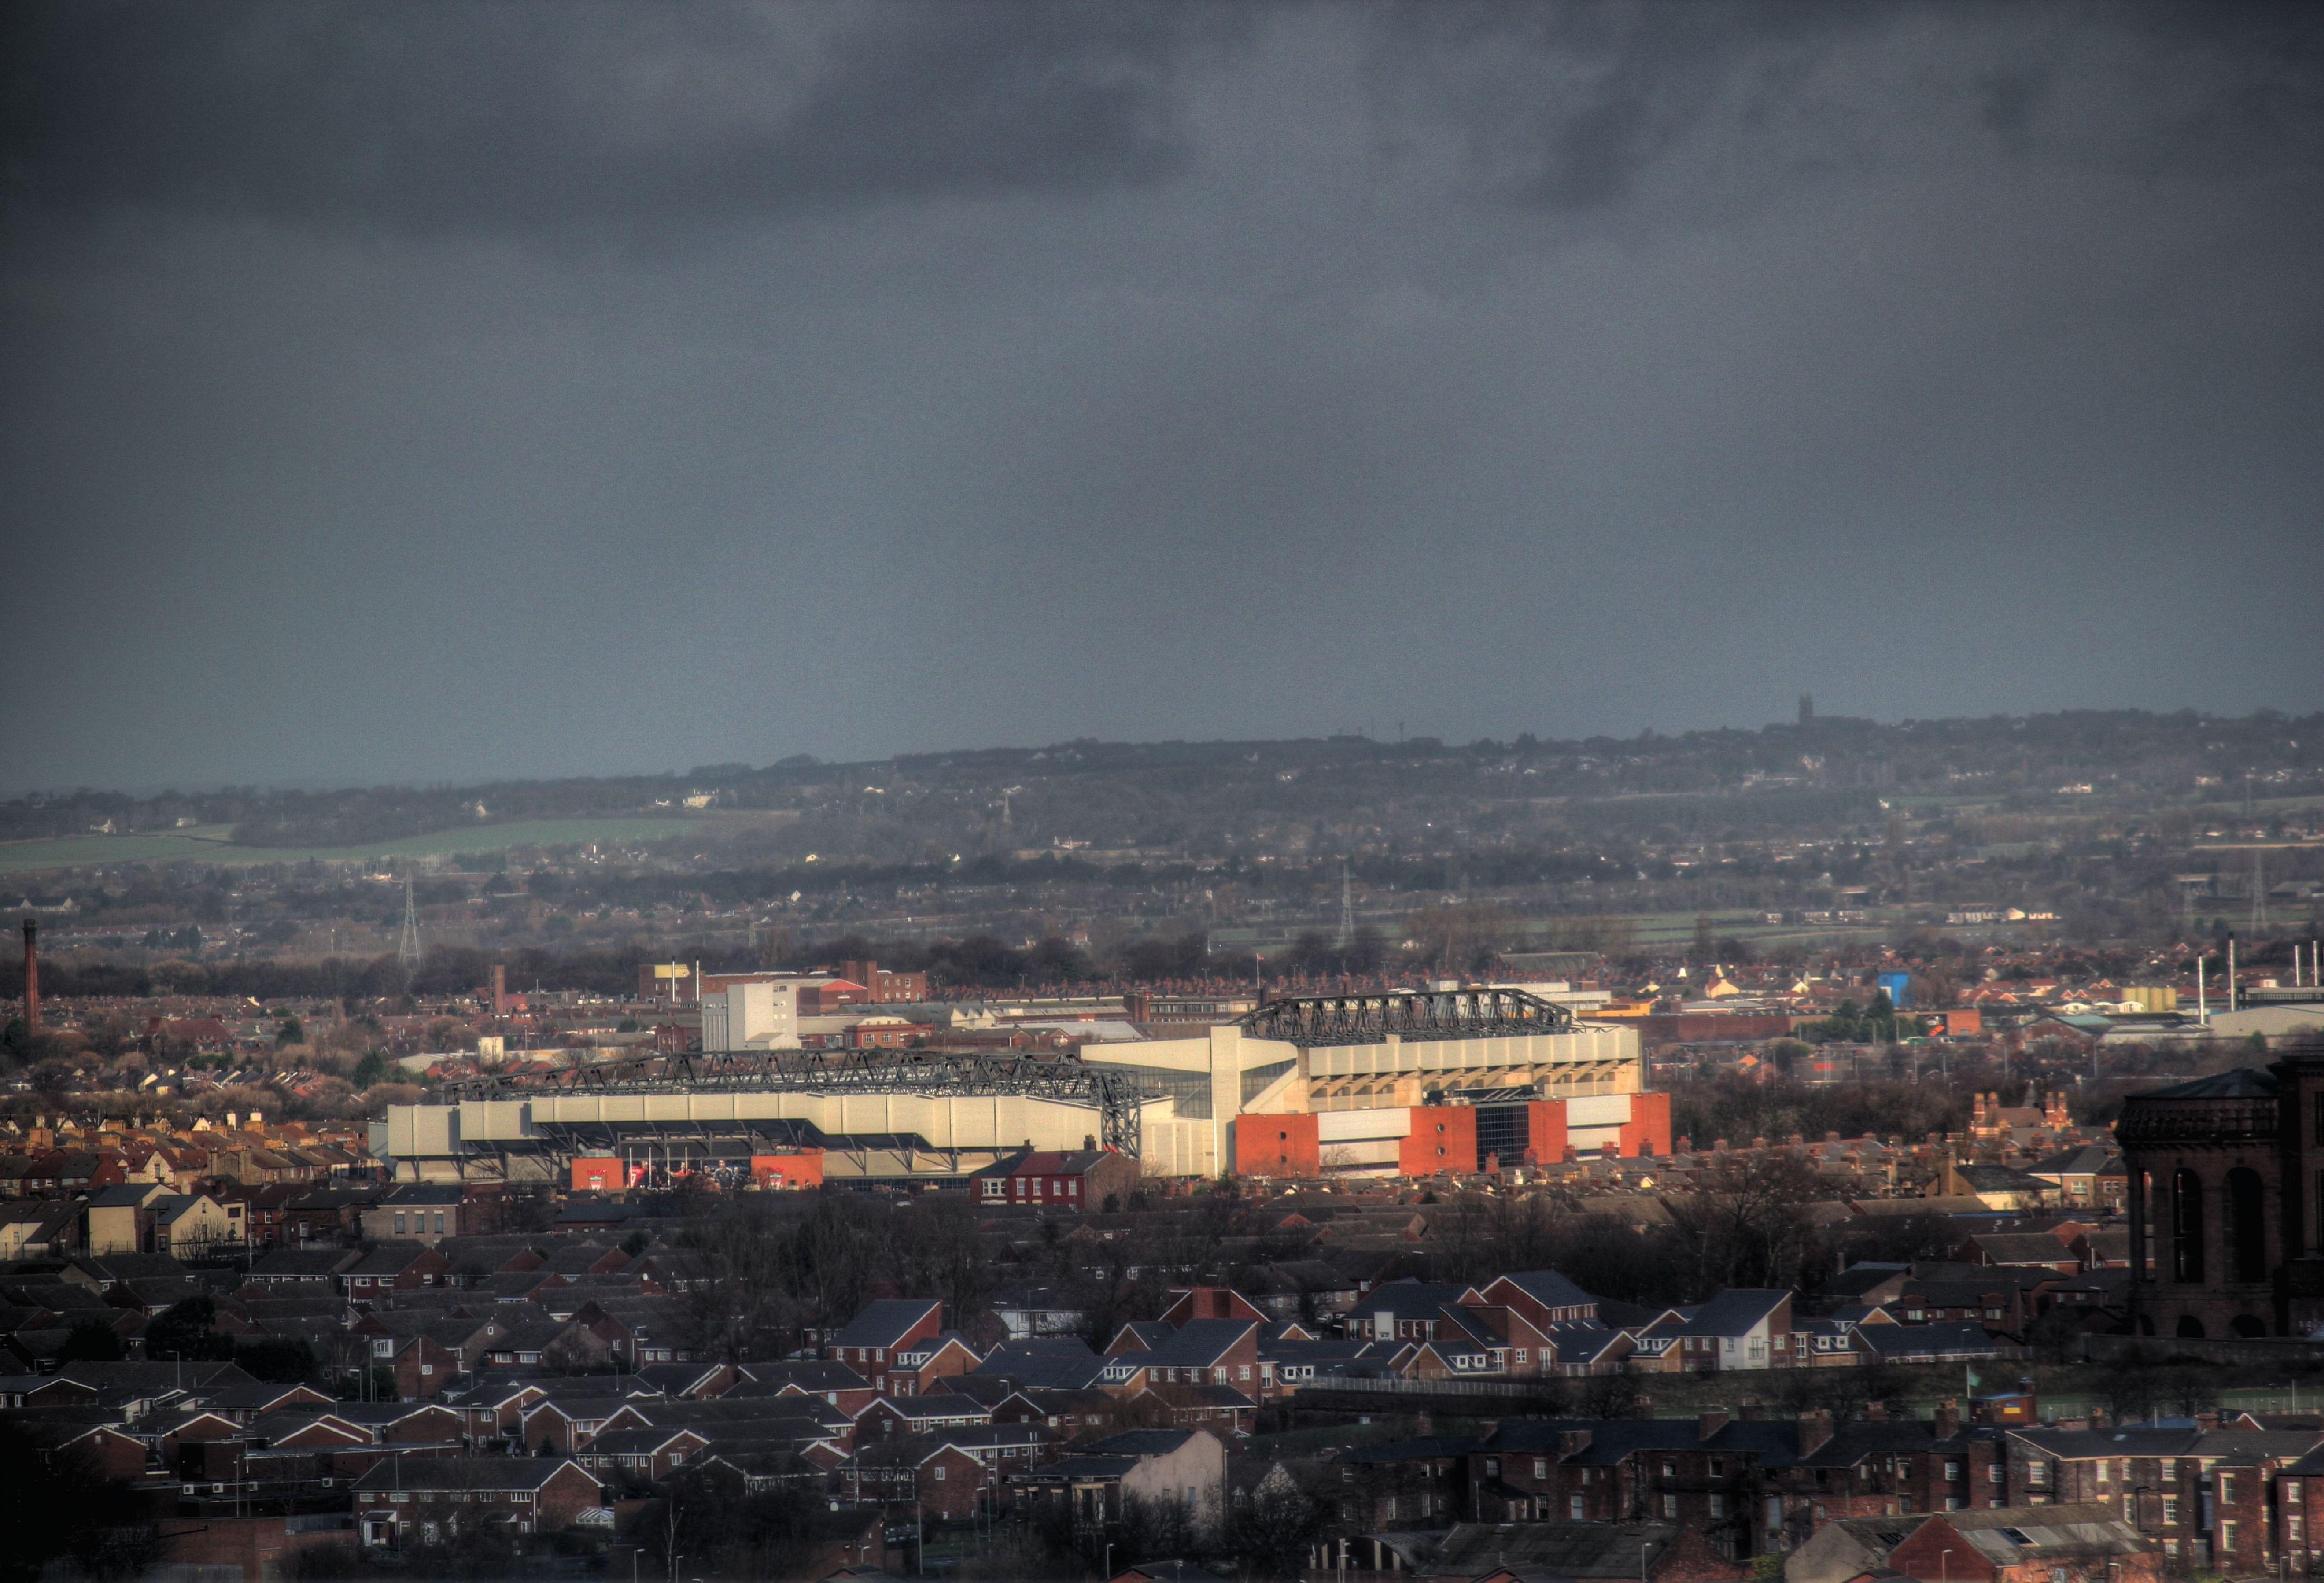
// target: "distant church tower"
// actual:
[[1807, 708]]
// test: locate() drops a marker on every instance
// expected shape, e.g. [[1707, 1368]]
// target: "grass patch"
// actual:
[[209, 845]]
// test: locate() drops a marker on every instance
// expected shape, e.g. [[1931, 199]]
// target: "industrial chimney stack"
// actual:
[[33, 975]]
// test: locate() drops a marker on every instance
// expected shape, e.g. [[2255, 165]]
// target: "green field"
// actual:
[[209, 844]]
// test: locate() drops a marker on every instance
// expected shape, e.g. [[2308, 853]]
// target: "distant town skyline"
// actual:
[[407, 395]]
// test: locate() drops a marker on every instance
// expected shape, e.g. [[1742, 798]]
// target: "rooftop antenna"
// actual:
[[407, 949]]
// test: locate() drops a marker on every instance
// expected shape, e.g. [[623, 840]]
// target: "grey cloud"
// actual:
[[501, 116], [1573, 106], [1021, 373]]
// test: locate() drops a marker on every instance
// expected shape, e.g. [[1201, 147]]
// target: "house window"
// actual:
[[398, 1223], [1994, 1472], [940, 1475], [1670, 1505], [1670, 1468], [1717, 1507], [2170, 1511], [1541, 1467], [1952, 1471], [1520, 1354], [2227, 1489], [1573, 1507], [2227, 1537]]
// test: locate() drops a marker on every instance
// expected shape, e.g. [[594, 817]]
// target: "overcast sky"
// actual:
[[417, 392]]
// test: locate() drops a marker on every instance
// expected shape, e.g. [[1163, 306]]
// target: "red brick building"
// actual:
[[431, 1501], [1078, 1179], [872, 1342]]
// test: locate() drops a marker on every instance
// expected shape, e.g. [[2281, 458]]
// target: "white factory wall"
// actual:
[[1345, 1127], [413, 1131]]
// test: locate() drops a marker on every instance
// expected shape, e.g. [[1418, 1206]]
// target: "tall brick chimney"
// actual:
[[500, 989], [33, 975], [1815, 1428]]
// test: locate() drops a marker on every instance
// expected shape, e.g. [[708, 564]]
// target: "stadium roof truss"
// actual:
[[1117, 1097], [1311, 1020]]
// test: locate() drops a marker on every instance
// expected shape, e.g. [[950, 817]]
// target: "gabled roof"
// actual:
[[1425, 1449], [1576, 1551], [1550, 1289], [886, 1322], [641, 1443], [2087, 1159], [1142, 1336], [807, 1375], [463, 1473], [1735, 1311], [1199, 1343], [1959, 1337], [1410, 1300], [936, 1404], [389, 1258], [1049, 1162], [2010, 1536], [1142, 1443], [1998, 1178]]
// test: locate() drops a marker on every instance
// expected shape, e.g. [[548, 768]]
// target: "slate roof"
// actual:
[[2240, 1083], [1907, 1341], [1198, 1343], [2011, 1536], [461, 1473], [1142, 1443], [1733, 1313], [1550, 1289], [884, 1323], [1425, 1449], [1411, 1300], [1560, 1550], [766, 1379]]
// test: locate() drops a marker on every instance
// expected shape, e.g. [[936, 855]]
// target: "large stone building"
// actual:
[[2225, 1180]]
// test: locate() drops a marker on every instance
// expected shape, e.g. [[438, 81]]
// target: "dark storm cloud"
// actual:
[[425, 391], [1569, 105], [494, 117]]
